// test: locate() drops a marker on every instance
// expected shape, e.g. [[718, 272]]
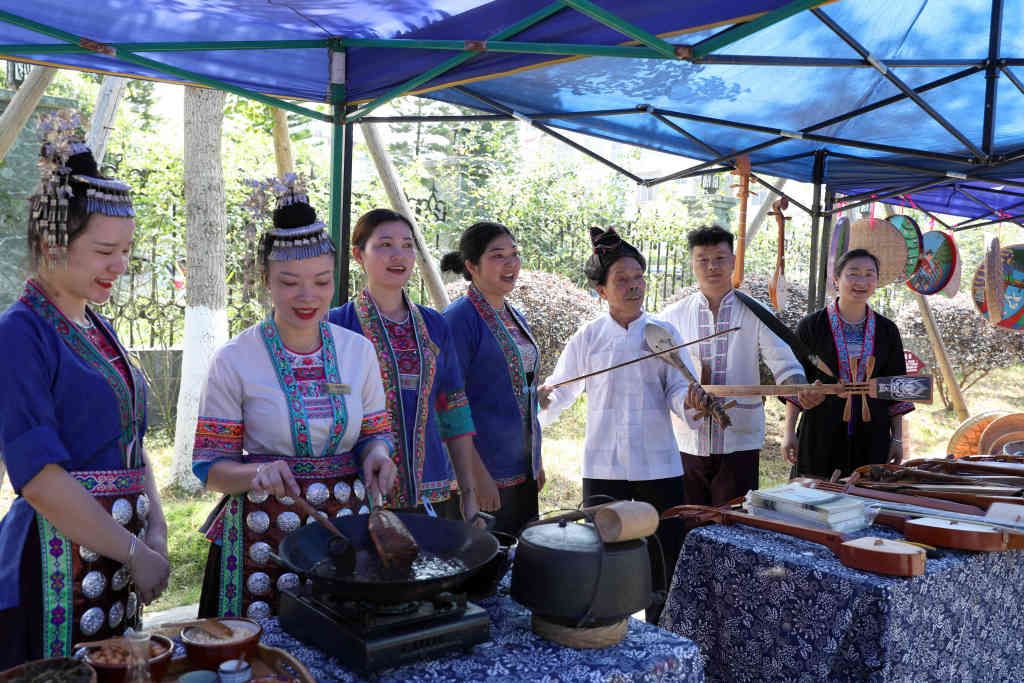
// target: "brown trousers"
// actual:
[[720, 477]]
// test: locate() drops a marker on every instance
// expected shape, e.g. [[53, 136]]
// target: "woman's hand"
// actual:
[[156, 538], [276, 478], [379, 471], [487, 495], [149, 570], [468, 503], [895, 451], [789, 447], [544, 396], [810, 399]]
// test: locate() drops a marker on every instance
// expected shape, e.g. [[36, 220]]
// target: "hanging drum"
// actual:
[[1011, 260], [912, 236], [937, 264], [886, 243]]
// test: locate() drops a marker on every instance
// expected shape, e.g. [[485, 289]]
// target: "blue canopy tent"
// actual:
[[871, 99]]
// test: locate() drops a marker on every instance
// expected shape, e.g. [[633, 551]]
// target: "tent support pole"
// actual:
[[895, 80], [603, 16], [995, 34], [449, 64], [1013, 78], [553, 133], [741, 31], [812, 278], [826, 244], [868, 197], [341, 171]]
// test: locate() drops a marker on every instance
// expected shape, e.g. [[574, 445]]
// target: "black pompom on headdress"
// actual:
[[297, 232]]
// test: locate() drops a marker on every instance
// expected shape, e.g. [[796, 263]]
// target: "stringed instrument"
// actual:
[[777, 286], [914, 388], [742, 171], [868, 553], [971, 467]]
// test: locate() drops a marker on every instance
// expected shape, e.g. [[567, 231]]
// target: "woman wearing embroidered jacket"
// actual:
[[847, 328], [292, 407], [423, 382], [501, 363], [85, 542]]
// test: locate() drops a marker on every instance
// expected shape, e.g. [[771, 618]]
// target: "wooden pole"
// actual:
[[282, 143], [389, 176], [103, 115], [24, 102], [942, 358]]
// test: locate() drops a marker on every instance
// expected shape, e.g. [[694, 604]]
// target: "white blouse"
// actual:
[[629, 432]]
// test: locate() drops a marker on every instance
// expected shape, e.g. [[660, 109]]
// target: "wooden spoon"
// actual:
[[340, 548]]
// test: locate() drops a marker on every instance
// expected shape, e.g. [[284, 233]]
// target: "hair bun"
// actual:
[[452, 262], [83, 163], [295, 215]]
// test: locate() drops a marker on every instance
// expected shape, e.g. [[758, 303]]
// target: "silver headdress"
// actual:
[[297, 233], [66, 167]]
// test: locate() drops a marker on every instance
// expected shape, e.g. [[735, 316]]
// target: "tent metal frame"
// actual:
[[964, 171]]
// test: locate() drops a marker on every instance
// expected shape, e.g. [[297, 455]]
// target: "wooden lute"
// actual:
[[915, 388], [868, 553], [742, 171], [777, 286]]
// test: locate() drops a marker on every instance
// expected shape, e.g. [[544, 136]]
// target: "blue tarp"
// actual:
[[921, 41]]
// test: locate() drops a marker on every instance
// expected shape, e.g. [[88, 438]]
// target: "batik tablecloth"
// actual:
[[515, 653], [763, 606]]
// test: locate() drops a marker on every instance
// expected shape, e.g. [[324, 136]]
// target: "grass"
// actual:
[[926, 432]]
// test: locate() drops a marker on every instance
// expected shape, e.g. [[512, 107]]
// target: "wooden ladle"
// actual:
[[340, 547]]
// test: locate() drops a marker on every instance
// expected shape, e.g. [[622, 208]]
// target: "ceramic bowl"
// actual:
[[207, 652]]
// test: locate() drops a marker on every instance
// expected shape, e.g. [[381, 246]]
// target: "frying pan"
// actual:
[[305, 550]]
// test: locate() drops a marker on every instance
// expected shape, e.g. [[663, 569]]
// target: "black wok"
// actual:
[[458, 548]]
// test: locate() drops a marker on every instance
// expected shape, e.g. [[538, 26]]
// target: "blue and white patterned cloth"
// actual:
[[515, 653], [764, 606]]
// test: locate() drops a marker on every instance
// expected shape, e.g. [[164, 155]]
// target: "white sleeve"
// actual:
[[777, 354], [676, 385], [569, 365]]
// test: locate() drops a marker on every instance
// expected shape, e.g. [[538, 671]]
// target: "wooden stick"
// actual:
[[865, 410], [637, 360]]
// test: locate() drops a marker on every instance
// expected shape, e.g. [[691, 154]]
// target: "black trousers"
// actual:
[[22, 626], [519, 506], [720, 477], [662, 494]]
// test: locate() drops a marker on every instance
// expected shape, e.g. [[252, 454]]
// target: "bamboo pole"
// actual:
[[389, 176], [282, 143], [942, 358], [24, 102]]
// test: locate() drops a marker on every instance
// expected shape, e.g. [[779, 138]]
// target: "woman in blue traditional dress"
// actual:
[[501, 362], [292, 406], [422, 378], [85, 542]]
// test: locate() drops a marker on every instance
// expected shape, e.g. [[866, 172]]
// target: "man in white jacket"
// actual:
[[722, 464]]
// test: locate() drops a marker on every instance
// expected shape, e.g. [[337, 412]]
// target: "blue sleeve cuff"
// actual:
[[31, 452]]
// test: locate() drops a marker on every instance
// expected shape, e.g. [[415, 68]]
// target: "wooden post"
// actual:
[[24, 102], [428, 269], [282, 143], [103, 115], [942, 358]]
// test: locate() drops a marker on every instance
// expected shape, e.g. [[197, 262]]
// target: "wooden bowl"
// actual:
[[45, 669], [205, 652], [118, 673]]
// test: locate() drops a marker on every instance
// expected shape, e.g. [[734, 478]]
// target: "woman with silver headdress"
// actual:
[[293, 406], [85, 543]]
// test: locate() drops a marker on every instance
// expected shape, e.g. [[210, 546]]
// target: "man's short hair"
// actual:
[[708, 235]]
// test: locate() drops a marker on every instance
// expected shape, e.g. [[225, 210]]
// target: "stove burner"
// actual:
[[366, 637]]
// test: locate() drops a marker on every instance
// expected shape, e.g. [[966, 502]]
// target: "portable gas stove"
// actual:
[[366, 637]]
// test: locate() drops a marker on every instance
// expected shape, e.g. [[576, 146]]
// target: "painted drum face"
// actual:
[[93, 584], [342, 491], [288, 522], [120, 578], [287, 581], [1013, 298], [122, 511], [937, 264], [258, 583], [317, 494], [259, 552], [92, 621], [258, 521], [115, 615], [142, 506], [258, 610], [257, 497]]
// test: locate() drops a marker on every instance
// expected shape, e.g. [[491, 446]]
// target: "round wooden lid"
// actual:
[[886, 243]]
